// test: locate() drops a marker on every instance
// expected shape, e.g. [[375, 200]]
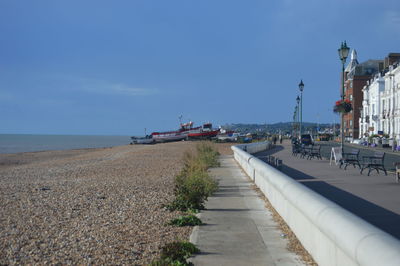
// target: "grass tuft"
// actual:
[[194, 185], [188, 220], [176, 253]]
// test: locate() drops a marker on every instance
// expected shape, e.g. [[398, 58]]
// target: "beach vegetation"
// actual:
[[193, 185], [176, 253], [187, 220]]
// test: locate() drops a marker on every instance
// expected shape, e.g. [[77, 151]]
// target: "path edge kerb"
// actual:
[[331, 234]]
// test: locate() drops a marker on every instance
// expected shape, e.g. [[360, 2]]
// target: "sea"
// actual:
[[16, 143]]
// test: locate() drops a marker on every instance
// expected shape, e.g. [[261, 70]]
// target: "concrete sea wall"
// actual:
[[331, 234]]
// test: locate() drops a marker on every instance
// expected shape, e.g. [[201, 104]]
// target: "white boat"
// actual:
[[143, 140], [185, 132], [169, 136], [230, 136]]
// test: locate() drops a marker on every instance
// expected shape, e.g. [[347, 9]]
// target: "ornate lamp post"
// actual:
[[343, 53], [362, 122], [301, 87], [391, 109], [294, 122], [298, 113]]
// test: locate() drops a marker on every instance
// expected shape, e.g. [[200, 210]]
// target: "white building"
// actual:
[[356, 77], [391, 102], [381, 103], [371, 106]]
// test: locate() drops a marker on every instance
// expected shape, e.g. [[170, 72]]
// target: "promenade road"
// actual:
[[374, 198]]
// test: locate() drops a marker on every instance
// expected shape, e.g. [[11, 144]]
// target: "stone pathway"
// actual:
[[239, 230]]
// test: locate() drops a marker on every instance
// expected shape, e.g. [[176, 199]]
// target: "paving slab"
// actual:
[[374, 198], [238, 229]]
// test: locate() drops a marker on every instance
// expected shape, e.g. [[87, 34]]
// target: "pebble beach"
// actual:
[[90, 206]]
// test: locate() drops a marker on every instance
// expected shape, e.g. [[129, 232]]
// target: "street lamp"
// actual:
[[343, 53], [361, 111], [294, 121], [301, 87], [297, 112], [391, 110]]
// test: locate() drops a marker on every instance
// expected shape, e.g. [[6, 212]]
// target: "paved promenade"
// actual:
[[239, 230], [375, 198], [390, 156]]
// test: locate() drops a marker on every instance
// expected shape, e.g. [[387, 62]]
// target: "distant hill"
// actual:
[[281, 127]]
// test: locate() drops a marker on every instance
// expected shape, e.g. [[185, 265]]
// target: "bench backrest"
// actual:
[[316, 148], [379, 154]]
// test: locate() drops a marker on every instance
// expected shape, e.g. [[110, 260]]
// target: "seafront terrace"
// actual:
[[374, 198]]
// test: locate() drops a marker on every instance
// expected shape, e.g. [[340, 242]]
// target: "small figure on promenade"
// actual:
[[274, 139], [280, 139]]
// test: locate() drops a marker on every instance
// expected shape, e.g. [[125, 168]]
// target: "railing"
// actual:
[[331, 234]]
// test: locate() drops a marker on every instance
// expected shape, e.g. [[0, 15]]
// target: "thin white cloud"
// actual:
[[54, 91], [53, 102], [105, 87], [22, 98], [125, 90], [393, 18]]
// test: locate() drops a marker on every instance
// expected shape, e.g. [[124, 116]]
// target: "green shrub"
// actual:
[[176, 253], [193, 189], [188, 220], [207, 154], [194, 185]]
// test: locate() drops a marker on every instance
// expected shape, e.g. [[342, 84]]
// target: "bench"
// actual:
[[315, 151], [273, 161], [374, 162], [350, 158], [296, 149], [397, 165], [305, 151]]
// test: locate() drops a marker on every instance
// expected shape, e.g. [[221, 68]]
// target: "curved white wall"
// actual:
[[331, 234]]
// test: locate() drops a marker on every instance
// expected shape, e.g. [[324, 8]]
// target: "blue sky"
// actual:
[[117, 67]]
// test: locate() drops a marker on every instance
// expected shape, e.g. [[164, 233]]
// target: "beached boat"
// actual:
[[228, 136], [142, 140], [203, 132], [185, 132], [169, 136]]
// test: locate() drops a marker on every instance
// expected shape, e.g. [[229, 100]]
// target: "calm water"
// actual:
[[14, 143]]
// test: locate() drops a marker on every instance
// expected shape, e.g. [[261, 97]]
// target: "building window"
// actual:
[[351, 123], [351, 97], [351, 84]]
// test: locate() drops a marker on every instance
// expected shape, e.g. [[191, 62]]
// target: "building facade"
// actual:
[[356, 77], [371, 106], [381, 101]]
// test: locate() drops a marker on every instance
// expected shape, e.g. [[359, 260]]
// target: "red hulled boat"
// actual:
[[185, 132], [203, 132]]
